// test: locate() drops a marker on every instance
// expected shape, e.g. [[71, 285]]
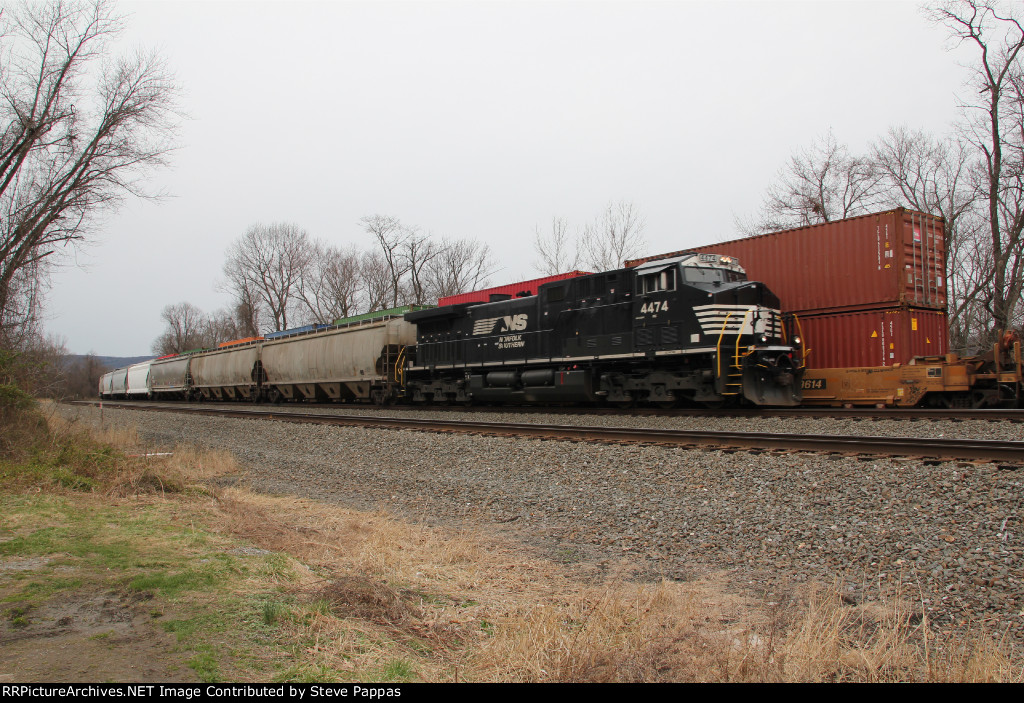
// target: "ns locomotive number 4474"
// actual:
[[689, 327]]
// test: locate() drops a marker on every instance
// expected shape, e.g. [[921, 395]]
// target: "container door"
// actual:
[[924, 248]]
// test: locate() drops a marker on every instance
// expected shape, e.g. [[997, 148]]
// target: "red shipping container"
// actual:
[[882, 337], [512, 290], [886, 259]]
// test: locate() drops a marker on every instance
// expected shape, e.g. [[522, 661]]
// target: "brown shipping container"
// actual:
[[885, 259], [882, 337]]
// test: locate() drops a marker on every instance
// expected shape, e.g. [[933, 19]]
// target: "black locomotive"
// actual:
[[685, 328]]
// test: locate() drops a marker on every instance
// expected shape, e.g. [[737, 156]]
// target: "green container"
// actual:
[[378, 314]]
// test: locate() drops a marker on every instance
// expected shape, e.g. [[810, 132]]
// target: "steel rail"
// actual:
[[956, 415], [930, 448]]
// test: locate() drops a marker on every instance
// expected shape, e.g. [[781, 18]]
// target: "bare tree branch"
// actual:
[[821, 183], [461, 265], [557, 251], [68, 154], [615, 235], [268, 264], [994, 126]]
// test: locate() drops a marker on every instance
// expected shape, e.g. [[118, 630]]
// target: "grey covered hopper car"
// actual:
[[119, 383], [355, 362], [227, 374], [138, 380], [170, 378]]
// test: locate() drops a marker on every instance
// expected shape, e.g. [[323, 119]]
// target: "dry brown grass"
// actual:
[[375, 597], [485, 612]]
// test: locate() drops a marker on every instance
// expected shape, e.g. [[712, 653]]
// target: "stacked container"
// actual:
[[866, 291], [513, 290]]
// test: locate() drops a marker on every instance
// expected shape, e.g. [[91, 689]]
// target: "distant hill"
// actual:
[[111, 362]]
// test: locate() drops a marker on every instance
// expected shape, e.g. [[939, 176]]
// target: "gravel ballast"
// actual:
[[948, 533]]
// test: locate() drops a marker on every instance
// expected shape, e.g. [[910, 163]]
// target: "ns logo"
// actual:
[[509, 323]]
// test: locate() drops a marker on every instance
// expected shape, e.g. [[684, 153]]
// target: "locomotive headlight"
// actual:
[[796, 341], [763, 339]]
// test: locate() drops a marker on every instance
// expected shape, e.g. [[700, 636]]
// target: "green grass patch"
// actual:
[[308, 673], [40, 590], [397, 671], [232, 612], [206, 665], [18, 616]]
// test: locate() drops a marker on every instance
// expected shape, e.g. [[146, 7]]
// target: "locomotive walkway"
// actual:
[[1010, 453]]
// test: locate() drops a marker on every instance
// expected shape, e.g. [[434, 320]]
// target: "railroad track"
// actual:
[[912, 414], [1010, 454]]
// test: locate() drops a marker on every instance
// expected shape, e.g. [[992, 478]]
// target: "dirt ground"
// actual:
[[86, 636]]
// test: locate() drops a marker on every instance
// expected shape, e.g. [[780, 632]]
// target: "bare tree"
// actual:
[[223, 326], [995, 128], [557, 251], [376, 280], [246, 315], [821, 183], [187, 328], [82, 376], [461, 265], [247, 308], [418, 251], [68, 153], [615, 235], [38, 367], [332, 287], [22, 305], [392, 237], [268, 264]]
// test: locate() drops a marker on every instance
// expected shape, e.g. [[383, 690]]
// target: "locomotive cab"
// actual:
[[703, 304]]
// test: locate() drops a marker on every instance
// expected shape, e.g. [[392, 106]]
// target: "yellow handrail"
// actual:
[[718, 347], [399, 368], [739, 334]]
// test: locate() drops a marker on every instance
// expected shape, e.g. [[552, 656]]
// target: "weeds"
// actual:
[[278, 588]]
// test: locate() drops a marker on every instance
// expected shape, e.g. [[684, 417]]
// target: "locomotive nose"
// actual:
[[748, 293]]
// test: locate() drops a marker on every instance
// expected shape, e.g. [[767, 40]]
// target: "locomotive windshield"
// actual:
[[702, 274], [688, 269]]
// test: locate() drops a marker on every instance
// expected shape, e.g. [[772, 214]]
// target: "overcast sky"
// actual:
[[483, 120]]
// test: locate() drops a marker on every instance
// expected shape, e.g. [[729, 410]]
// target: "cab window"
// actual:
[[659, 281]]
